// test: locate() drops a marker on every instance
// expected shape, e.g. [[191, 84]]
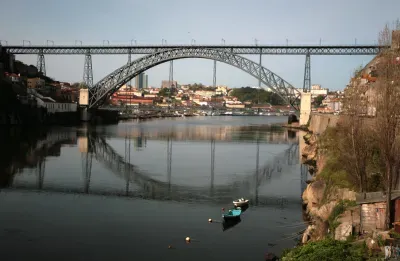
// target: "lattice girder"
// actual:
[[112, 82]]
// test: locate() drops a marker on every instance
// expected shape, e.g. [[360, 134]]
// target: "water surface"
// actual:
[[129, 191]]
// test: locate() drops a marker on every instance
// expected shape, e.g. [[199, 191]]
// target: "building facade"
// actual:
[[141, 81], [34, 83]]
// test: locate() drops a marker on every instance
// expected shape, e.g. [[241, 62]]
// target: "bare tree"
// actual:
[[387, 111], [355, 143]]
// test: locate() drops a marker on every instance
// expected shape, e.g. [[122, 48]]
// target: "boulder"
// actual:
[[313, 194], [372, 244]]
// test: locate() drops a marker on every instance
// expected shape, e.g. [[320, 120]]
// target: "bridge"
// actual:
[[156, 189], [157, 54]]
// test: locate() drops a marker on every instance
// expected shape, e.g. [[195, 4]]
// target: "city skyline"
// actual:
[[120, 22]]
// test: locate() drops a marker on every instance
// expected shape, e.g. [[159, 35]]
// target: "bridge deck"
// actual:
[[236, 49]]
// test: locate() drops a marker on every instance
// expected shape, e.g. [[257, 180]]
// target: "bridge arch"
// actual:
[[112, 82]]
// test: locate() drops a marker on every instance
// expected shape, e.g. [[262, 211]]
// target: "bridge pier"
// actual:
[[41, 64], [305, 108], [87, 70], [305, 102]]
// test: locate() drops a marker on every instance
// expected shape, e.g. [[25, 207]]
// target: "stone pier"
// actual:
[[305, 108]]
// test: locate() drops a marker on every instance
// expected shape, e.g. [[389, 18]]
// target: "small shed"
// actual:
[[373, 210], [396, 213]]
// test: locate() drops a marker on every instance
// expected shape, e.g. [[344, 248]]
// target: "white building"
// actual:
[[53, 107]]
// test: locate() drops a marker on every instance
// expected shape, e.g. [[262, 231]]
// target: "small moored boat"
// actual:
[[241, 202], [232, 214]]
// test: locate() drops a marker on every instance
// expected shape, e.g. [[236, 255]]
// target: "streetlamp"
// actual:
[[256, 41], [320, 41], [287, 42], [223, 41], [193, 42], [27, 41], [108, 42], [78, 41], [163, 41], [133, 40], [49, 41], [3, 41], [355, 41]]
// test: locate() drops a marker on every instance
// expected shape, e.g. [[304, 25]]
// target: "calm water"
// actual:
[[128, 191]]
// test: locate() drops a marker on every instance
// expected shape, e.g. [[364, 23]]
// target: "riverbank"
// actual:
[[152, 116], [340, 217]]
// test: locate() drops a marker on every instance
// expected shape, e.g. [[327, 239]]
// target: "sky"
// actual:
[[207, 22]]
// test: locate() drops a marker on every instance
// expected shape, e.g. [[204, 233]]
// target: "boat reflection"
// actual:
[[229, 223], [244, 208]]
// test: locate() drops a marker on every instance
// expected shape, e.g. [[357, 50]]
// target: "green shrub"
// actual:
[[394, 234], [326, 249], [338, 210]]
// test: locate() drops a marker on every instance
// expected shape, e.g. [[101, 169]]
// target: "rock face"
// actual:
[[318, 205]]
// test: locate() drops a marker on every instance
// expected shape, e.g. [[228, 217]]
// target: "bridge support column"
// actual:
[[41, 64], [215, 74], [307, 74], [129, 61], [305, 108], [87, 70], [85, 114]]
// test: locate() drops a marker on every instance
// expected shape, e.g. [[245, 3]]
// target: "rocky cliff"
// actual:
[[318, 203]]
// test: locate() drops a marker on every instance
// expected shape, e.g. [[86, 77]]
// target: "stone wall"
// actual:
[[349, 223], [373, 216], [319, 122]]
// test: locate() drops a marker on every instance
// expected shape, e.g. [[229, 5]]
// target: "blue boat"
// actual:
[[232, 214]]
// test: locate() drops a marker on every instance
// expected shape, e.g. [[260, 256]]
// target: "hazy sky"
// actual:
[[206, 21]]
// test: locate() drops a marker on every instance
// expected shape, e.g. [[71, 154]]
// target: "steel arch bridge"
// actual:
[[112, 82]]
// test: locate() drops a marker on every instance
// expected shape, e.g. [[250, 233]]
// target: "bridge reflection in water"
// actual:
[[93, 144]]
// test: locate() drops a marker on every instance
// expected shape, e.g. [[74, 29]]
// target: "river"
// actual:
[[136, 190]]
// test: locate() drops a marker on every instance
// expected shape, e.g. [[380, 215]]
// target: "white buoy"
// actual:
[[187, 239], [210, 220]]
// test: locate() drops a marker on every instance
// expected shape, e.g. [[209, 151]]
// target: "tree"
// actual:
[[79, 85], [387, 104], [356, 141], [318, 100], [255, 95], [167, 92]]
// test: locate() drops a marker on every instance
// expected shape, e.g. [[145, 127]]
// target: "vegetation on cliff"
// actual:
[[360, 153], [327, 249], [363, 149]]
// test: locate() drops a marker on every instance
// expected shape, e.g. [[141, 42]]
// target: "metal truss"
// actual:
[[112, 82], [215, 74], [41, 64], [236, 49], [88, 70], [307, 74]]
